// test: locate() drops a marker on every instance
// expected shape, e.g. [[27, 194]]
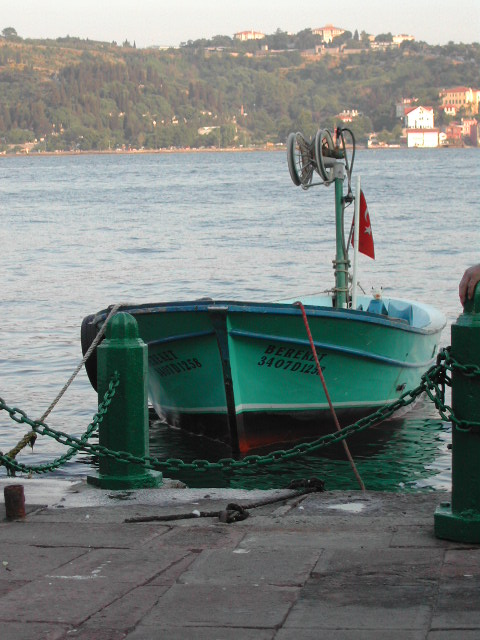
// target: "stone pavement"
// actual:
[[334, 565]]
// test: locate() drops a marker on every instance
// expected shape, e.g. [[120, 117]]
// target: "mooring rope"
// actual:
[[237, 512], [30, 437], [98, 337], [330, 404]]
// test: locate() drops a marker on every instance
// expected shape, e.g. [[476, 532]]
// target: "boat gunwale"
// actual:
[[437, 320]]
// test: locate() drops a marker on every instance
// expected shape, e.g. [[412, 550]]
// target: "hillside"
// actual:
[[78, 94]]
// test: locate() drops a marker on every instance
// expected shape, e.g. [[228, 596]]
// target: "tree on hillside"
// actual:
[[384, 37], [342, 39], [221, 41], [278, 41], [9, 33], [77, 97], [364, 39], [305, 39]]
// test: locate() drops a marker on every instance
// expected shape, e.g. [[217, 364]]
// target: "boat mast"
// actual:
[[330, 162], [341, 262]]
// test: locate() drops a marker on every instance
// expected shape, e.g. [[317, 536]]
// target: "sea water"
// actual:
[[81, 232]]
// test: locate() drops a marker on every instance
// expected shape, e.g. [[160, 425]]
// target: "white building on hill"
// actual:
[[422, 138], [328, 32], [419, 118], [249, 35], [420, 130]]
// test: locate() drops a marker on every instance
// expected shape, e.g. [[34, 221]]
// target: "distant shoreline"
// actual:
[[275, 148], [118, 152]]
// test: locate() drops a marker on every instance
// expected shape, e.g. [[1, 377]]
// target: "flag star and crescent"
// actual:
[[365, 236]]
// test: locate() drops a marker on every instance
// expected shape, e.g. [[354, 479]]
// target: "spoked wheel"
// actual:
[[301, 160], [323, 149], [292, 165]]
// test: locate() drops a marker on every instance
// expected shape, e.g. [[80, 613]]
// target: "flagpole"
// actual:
[[356, 235]]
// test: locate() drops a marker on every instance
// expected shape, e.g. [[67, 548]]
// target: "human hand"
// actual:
[[468, 282]]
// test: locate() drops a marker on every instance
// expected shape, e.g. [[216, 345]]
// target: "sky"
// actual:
[[170, 22]]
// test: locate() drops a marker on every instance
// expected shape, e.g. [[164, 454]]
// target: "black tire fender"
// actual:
[[88, 333]]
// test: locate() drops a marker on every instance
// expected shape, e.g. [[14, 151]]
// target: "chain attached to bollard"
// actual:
[[433, 384], [12, 465], [460, 519]]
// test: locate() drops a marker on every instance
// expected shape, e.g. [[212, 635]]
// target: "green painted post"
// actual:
[[460, 519], [125, 426]]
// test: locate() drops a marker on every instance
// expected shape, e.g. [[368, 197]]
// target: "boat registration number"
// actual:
[[288, 359]]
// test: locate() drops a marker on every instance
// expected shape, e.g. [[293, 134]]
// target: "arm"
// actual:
[[468, 283]]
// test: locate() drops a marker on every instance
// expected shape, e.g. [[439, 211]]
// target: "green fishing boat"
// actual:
[[255, 374]]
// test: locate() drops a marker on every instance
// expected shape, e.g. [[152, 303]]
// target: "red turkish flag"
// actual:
[[365, 237]]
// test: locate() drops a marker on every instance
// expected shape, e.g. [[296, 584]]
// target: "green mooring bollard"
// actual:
[[460, 519], [125, 425]]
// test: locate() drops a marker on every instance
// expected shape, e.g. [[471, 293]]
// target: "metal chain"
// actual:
[[29, 438], [13, 465], [433, 383], [467, 370], [436, 388]]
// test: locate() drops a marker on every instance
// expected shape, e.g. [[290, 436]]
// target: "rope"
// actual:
[[28, 438], [330, 404], [31, 436], [98, 337], [13, 466], [237, 512]]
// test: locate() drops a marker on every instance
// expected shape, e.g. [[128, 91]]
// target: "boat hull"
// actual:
[[244, 373]]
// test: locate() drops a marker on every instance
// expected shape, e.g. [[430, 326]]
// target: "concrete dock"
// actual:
[[333, 565]]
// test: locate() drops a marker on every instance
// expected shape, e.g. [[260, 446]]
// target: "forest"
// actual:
[[72, 94]]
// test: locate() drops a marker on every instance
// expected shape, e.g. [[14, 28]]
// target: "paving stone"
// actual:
[[379, 573], [114, 514], [365, 603], [78, 534], [200, 633], [458, 604], [173, 573], [374, 503], [254, 567], [68, 601], [119, 565], [326, 526], [126, 612], [281, 540], [30, 562], [95, 634], [349, 634], [10, 585], [389, 566], [32, 631], [315, 539], [461, 563], [200, 537], [419, 536], [454, 634], [219, 606]]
